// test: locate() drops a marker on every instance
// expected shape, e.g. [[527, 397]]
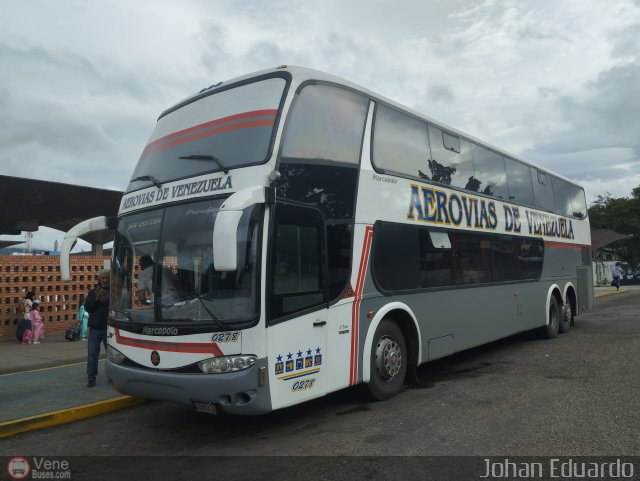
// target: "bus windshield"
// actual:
[[170, 250], [225, 130]]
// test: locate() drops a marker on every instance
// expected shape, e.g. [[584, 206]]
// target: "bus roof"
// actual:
[[304, 74]]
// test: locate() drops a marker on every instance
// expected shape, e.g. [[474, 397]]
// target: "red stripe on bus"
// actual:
[[355, 309], [207, 133], [185, 347], [230, 118], [562, 245]]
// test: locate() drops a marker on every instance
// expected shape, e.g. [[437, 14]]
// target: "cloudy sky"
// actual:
[[556, 82]]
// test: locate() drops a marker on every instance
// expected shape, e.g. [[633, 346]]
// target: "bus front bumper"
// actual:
[[234, 392]]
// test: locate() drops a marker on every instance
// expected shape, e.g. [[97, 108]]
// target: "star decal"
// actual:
[[289, 356], [318, 351], [279, 358], [309, 352], [299, 353]]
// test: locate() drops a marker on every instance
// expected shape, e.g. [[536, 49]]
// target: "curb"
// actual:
[[64, 416], [44, 367], [609, 293]]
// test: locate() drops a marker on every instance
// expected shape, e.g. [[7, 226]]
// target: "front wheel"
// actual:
[[388, 361]]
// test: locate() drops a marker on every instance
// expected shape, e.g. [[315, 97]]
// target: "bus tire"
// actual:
[[388, 361], [566, 318], [551, 330]]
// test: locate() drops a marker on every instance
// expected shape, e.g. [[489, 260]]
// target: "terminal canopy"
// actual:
[[28, 204]]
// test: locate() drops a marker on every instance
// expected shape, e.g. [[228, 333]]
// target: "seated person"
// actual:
[[146, 284]]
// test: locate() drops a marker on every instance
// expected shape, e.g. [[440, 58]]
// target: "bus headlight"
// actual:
[[217, 365], [114, 356]]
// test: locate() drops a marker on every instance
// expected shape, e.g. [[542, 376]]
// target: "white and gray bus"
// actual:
[[303, 234]]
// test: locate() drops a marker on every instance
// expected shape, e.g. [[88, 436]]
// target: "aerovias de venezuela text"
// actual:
[[438, 207]]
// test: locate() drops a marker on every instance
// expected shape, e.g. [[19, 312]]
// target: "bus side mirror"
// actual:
[[90, 225], [225, 230]]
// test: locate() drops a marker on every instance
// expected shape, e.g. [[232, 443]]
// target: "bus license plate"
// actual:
[[204, 407]]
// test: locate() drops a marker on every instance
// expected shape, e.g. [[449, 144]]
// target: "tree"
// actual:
[[620, 215]]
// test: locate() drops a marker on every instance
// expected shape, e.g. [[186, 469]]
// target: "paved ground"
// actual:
[[48, 377], [53, 351], [574, 395], [50, 389]]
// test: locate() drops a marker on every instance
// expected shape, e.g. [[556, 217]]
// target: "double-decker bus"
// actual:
[[301, 234]]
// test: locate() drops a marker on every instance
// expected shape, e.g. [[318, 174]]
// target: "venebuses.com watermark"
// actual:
[[20, 468]]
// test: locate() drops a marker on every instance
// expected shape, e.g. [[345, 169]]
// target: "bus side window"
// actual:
[[578, 202], [450, 161], [396, 261], [519, 181], [400, 143], [451, 142], [326, 123], [297, 260], [436, 265], [490, 174], [542, 191], [570, 200]]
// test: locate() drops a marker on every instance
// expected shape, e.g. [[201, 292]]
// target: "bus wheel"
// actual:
[[551, 330], [388, 361], [566, 318]]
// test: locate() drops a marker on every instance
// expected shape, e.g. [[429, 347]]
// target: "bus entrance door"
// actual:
[[297, 359]]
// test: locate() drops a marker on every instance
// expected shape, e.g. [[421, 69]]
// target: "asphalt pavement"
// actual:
[[42, 385], [576, 394]]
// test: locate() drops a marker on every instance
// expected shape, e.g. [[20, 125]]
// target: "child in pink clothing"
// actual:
[[37, 326]]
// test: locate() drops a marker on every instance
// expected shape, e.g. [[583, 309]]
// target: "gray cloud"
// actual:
[[554, 82], [74, 119], [626, 43], [607, 115], [441, 92]]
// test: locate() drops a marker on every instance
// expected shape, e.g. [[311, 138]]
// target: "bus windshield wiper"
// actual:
[[206, 157], [211, 314], [148, 178], [189, 297]]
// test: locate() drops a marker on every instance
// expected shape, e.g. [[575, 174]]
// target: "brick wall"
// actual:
[[41, 274]]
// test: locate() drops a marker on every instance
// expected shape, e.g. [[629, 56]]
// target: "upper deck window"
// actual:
[[326, 123], [450, 163], [232, 128], [542, 191], [578, 202], [491, 175], [400, 143], [570, 199], [451, 142], [519, 181]]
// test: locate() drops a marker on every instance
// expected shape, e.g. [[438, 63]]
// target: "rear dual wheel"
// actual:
[[566, 318], [553, 326]]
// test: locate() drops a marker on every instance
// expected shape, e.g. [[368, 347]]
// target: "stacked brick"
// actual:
[[41, 274]]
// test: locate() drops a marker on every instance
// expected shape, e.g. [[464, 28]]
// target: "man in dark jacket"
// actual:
[[97, 305]]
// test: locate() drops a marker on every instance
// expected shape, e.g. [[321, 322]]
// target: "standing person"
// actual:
[[616, 272], [83, 317], [37, 326], [26, 304], [24, 326], [97, 305]]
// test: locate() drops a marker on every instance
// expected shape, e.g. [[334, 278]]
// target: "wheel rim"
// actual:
[[388, 358]]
